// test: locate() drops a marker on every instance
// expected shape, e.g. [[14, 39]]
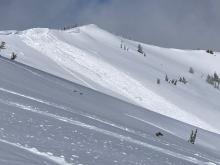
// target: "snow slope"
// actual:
[[46, 120], [92, 57]]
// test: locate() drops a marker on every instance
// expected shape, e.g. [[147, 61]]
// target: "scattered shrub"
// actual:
[[210, 51]]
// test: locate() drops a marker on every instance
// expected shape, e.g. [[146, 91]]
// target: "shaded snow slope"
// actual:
[[48, 120], [92, 57]]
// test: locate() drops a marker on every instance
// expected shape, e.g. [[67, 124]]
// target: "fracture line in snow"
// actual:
[[144, 121], [55, 159], [108, 133], [71, 72], [35, 73]]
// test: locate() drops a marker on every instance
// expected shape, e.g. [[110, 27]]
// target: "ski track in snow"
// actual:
[[104, 74], [96, 129], [68, 109], [144, 121], [91, 117], [54, 159]]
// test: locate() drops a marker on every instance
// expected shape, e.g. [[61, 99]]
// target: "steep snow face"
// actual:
[[92, 57]]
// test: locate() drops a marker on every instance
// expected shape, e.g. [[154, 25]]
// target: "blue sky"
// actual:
[[169, 23]]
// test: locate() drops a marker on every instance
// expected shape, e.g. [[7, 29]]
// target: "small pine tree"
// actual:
[[191, 70], [13, 56], [184, 80], [166, 78], [208, 79], [218, 82], [216, 76], [2, 45], [140, 49], [192, 137], [158, 81]]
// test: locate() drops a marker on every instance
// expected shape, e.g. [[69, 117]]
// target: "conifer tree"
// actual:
[[140, 49], [2, 45], [166, 78], [13, 56], [191, 70]]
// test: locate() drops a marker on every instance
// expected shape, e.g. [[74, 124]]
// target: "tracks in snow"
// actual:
[[46, 156], [91, 127]]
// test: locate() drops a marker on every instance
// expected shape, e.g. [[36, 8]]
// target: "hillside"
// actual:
[[46, 120], [94, 58]]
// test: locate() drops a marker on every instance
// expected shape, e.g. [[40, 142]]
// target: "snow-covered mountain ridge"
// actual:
[[48, 120], [94, 58]]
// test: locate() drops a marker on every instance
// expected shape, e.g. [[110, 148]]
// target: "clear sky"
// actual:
[[187, 24]]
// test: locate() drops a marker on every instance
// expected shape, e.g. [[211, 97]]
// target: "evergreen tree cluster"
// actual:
[[210, 51], [2, 46], [183, 80], [70, 27], [123, 46], [174, 81], [213, 80], [140, 50]]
